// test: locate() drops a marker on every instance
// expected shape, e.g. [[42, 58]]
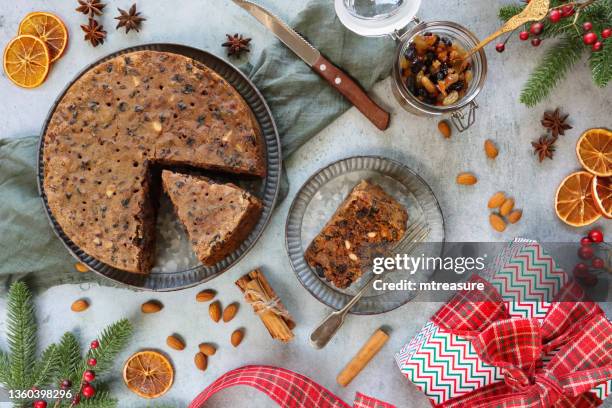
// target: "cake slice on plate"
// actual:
[[367, 223], [217, 217]]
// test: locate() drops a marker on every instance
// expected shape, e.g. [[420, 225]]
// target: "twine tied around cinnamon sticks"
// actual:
[[267, 305]]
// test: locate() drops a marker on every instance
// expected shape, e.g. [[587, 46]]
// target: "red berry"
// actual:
[[585, 241], [92, 362], [598, 263], [500, 47], [581, 270], [94, 344], [589, 38], [536, 42], [89, 375], [607, 32], [597, 46], [596, 235], [588, 26], [524, 35], [567, 10], [66, 384], [536, 28], [76, 400], [40, 404], [555, 16], [88, 391], [586, 252]]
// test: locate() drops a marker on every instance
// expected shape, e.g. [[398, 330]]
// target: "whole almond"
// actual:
[[79, 305], [214, 310], [515, 216], [206, 295], [466, 179], [201, 361], [230, 312], [506, 207], [490, 149], [152, 306], [175, 342], [444, 129], [81, 267], [207, 349], [497, 222], [237, 337], [496, 200]]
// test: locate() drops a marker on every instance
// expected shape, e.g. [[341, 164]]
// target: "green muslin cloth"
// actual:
[[302, 104]]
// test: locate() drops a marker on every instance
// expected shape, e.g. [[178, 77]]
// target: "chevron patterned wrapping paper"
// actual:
[[445, 366]]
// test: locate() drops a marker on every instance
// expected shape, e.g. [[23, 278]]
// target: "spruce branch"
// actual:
[[46, 367], [5, 369], [69, 352], [102, 399], [113, 340], [601, 66], [21, 330], [557, 62]]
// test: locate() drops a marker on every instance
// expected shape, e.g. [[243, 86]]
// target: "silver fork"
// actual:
[[415, 234]]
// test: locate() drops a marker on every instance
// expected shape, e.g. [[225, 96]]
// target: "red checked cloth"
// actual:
[[578, 333], [286, 388]]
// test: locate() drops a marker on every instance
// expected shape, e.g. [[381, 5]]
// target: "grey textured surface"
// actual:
[[412, 140]]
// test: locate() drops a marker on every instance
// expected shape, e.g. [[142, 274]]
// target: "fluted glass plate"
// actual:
[[318, 199]]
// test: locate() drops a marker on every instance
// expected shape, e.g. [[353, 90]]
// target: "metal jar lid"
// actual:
[[375, 18]]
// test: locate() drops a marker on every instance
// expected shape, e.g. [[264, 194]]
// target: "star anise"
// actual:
[[236, 44], [131, 19], [555, 122], [94, 32], [90, 7], [544, 147]]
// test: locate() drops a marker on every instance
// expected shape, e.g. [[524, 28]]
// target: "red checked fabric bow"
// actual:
[[286, 388], [576, 331]]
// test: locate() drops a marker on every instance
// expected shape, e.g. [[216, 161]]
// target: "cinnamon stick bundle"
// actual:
[[266, 304]]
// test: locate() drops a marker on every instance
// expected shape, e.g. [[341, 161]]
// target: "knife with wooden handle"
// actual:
[[332, 74]]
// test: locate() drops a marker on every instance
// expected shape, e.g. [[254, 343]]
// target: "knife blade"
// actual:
[[337, 78]]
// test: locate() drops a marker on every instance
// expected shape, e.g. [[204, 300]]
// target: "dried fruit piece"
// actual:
[[26, 61], [515, 216], [594, 150], [490, 149], [79, 305], [214, 310], [230, 312], [206, 295], [201, 361], [237, 337], [497, 222], [81, 267], [602, 195], [175, 342], [466, 179], [49, 28], [445, 129], [496, 200], [152, 306], [148, 374], [506, 207], [207, 349], [574, 202]]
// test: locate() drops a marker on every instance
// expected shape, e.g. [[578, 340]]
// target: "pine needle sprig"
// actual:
[[21, 331], [102, 399], [45, 368], [69, 351], [557, 62], [112, 341], [601, 66]]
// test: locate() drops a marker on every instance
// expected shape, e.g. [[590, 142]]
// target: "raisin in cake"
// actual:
[[116, 121], [366, 224], [217, 217]]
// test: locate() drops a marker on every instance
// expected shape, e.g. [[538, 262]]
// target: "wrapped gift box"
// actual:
[[446, 366]]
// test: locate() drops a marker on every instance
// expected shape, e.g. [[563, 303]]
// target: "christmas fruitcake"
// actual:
[[118, 122], [217, 217], [366, 224]]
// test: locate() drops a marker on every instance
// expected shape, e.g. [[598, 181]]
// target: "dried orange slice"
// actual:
[[26, 61], [574, 202], [49, 28], [148, 373], [602, 195], [594, 150]]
